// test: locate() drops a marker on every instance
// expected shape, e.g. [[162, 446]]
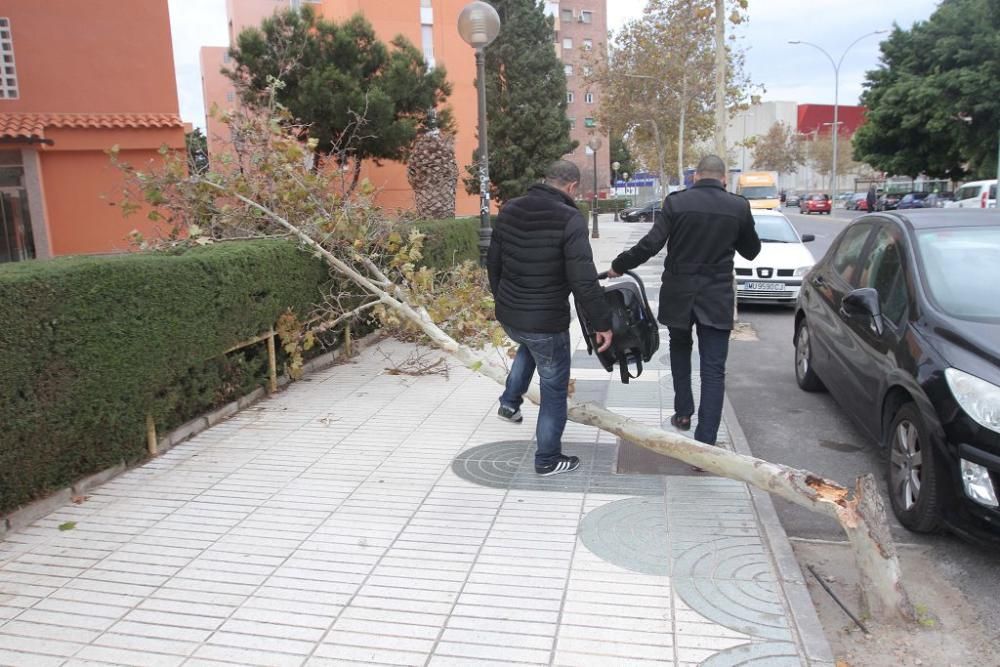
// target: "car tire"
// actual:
[[912, 475], [804, 373]]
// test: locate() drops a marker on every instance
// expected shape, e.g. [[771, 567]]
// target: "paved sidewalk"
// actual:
[[366, 518]]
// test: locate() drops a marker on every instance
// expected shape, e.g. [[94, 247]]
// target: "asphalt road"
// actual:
[[787, 425]]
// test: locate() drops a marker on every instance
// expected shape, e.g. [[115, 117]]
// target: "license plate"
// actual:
[[766, 287]]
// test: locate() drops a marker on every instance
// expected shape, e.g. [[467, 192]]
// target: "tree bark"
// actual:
[[862, 517]]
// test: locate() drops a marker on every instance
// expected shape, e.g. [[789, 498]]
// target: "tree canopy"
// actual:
[[778, 150], [662, 63], [358, 98], [525, 101], [931, 77]]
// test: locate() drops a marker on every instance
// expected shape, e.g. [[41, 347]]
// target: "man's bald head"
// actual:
[[711, 166]]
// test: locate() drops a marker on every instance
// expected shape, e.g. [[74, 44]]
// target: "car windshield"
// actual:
[[651, 205], [817, 197], [760, 192], [962, 270], [774, 229]]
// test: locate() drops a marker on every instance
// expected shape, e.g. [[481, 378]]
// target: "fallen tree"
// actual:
[[275, 191]]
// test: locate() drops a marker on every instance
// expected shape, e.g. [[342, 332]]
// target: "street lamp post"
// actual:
[[836, 93], [743, 155], [594, 144], [615, 166], [479, 24]]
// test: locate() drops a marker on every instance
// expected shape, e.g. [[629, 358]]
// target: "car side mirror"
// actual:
[[807, 238], [862, 304]]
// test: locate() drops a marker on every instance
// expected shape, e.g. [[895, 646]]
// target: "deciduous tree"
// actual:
[[660, 69], [778, 150], [525, 101]]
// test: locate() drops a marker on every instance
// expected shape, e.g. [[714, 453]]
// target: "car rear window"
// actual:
[[774, 229], [962, 270]]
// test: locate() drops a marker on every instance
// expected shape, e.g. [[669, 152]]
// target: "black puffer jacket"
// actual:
[[539, 253], [702, 228]]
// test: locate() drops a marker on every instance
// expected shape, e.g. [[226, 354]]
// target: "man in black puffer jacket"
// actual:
[[539, 254]]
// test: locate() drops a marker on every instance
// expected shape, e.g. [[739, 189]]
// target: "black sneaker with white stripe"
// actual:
[[510, 414], [560, 465]]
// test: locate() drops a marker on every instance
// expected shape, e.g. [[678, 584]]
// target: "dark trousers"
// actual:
[[713, 348]]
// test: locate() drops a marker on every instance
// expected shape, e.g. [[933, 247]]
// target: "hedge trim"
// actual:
[[90, 345]]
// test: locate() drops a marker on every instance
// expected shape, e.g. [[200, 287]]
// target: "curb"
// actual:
[[811, 638], [27, 514]]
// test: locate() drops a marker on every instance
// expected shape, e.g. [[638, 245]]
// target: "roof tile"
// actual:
[[32, 126]]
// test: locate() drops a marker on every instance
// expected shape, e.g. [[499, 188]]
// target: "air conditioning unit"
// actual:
[[580, 19]]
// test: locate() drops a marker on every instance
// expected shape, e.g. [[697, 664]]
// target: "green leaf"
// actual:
[[69, 525]]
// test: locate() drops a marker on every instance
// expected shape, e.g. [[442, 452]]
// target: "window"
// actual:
[[589, 98], [845, 260], [230, 97], [586, 70], [567, 15], [567, 42], [883, 270], [568, 69], [226, 58], [427, 41], [589, 122], [16, 238], [572, 123], [588, 44], [586, 17], [8, 74], [569, 97], [961, 272], [425, 3]]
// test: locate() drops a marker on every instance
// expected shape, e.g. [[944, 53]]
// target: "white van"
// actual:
[[977, 194]]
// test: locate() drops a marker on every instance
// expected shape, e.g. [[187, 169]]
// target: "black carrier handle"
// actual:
[[603, 275]]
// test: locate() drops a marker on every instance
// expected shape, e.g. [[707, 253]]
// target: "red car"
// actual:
[[815, 204]]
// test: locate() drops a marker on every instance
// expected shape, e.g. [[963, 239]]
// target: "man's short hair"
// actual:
[[562, 173], [711, 166]]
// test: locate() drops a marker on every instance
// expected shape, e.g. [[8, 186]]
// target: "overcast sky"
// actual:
[[796, 73]]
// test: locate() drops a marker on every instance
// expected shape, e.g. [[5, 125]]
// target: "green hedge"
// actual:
[[90, 345], [449, 242], [612, 205]]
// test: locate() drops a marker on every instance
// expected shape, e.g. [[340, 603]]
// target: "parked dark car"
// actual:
[[900, 322], [888, 202], [645, 213], [912, 200], [791, 199], [815, 204], [857, 202], [938, 199]]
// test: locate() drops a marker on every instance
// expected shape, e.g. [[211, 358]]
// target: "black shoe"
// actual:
[[681, 423], [560, 465], [510, 414]]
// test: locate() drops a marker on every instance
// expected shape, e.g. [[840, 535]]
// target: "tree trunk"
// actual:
[[862, 517], [720, 78]]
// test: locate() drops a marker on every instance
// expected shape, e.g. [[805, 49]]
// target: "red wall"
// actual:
[[812, 117]]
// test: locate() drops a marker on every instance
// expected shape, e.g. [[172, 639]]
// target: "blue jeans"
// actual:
[[713, 348], [549, 353]]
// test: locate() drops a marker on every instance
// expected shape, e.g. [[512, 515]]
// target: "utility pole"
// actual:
[[720, 78]]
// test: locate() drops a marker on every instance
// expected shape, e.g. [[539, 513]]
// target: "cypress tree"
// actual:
[[525, 101]]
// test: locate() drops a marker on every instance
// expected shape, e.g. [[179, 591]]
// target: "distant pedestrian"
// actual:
[[702, 228], [539, 254], [871, 198]]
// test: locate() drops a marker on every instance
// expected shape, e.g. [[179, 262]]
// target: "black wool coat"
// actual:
[[702, 227], [540, 253]]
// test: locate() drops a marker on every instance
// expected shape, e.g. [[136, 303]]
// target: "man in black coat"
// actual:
[[871, 198], [539, 253], [702, 228]]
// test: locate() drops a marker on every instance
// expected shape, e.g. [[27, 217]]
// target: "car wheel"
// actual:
[[804, 374], [913, 487]]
